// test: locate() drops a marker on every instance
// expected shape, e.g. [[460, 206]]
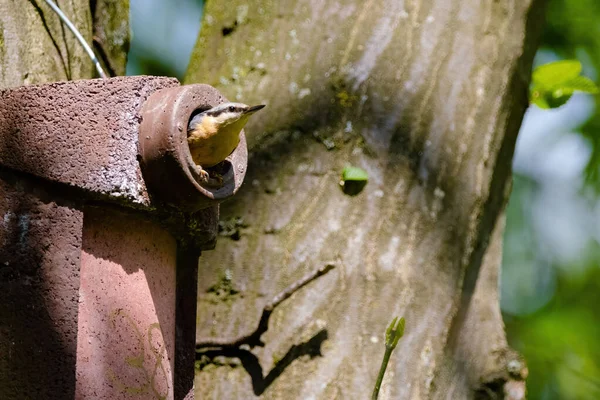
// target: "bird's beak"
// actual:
[[254, 109]]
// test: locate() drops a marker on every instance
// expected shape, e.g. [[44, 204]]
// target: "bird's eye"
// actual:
[[231, 108]]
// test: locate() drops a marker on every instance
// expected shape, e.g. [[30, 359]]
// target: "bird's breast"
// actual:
[[209, 145]]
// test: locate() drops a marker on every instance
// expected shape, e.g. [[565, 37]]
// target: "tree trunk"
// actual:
[[35, 47], [427, 96]]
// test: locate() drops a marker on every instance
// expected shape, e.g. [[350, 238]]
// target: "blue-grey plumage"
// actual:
[[214, 134]]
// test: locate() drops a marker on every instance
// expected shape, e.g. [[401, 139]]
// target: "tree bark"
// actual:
[[427, 96], [35, 47], [111, 34]]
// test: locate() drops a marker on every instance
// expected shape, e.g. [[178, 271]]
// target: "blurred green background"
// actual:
[[551, 277]]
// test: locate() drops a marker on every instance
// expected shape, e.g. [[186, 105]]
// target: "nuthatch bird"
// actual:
[[213, 134]]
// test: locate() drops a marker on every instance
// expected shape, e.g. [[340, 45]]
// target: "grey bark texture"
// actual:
[[427, 96], [35, 47]]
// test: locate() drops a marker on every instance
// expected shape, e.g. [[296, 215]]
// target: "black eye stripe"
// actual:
[[219, 111]]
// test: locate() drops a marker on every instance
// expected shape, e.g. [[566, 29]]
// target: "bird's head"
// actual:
[[227, 114]]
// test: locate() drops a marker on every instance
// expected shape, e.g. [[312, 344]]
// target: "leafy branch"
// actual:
[[554, 83]]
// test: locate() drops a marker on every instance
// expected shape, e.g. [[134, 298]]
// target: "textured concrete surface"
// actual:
[[40, 237], [98, 281], [81, 133], [126, 337]]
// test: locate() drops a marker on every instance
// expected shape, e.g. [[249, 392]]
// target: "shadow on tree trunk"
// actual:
[[260, 383]]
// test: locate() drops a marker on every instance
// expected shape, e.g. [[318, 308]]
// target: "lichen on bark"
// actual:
[[37, 48]]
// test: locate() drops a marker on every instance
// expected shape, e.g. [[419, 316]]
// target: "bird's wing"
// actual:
[[195, 121]]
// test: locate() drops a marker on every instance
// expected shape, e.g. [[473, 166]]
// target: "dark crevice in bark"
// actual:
[[64, 38], [103, 57]]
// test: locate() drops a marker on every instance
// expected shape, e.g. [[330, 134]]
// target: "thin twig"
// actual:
[[253, 339], [80, 38]]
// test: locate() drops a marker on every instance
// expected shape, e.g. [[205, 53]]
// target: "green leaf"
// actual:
[[558, 98], [555, 73], [353, 180], [554, 83], [394, 332], [538, 98], [581, 84], [354, 174]]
